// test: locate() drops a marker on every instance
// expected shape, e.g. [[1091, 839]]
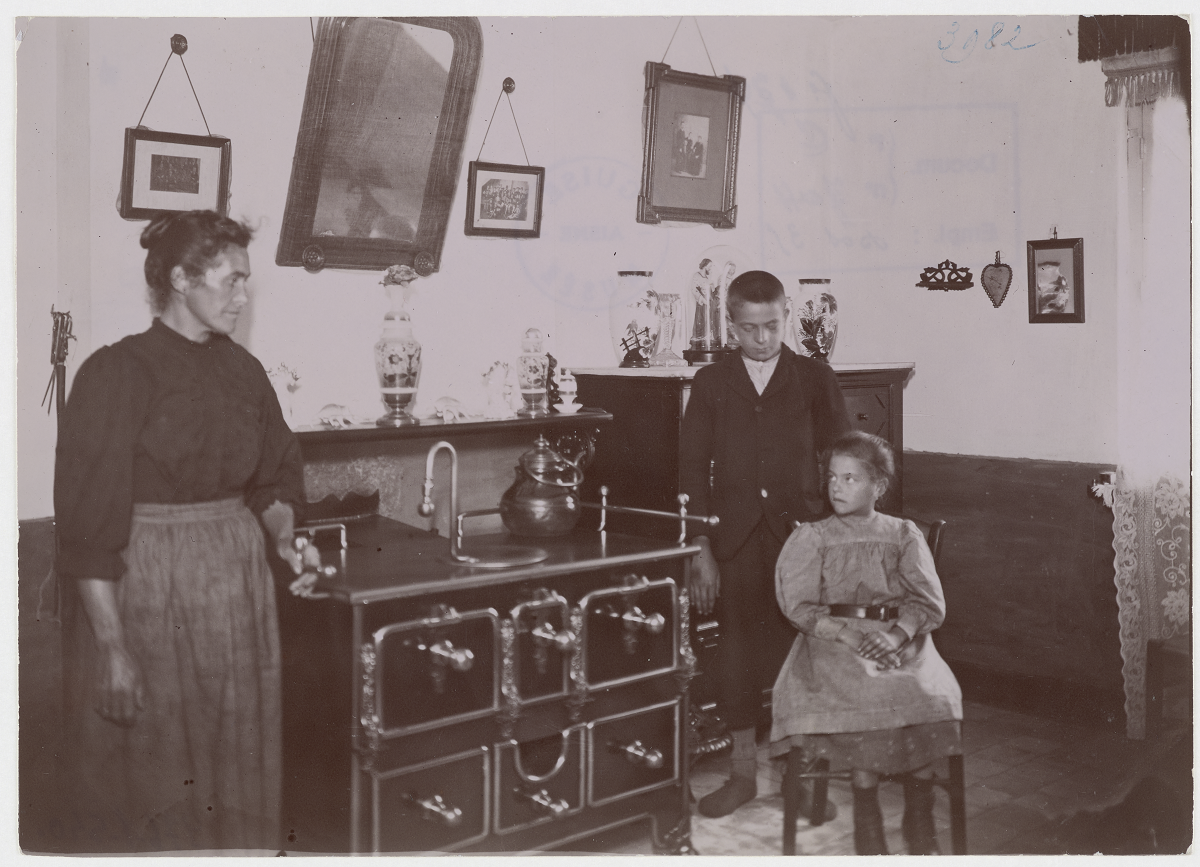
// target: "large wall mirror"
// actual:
[[380, 142]]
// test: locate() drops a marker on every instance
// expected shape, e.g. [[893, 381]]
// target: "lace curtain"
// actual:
[[1153, 545]]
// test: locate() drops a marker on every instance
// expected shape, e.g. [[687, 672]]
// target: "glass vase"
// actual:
[[669, 308], [633, 318]]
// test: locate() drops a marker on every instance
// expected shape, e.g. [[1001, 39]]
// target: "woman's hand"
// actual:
[[704, 579], [120, 692], [280, 521]]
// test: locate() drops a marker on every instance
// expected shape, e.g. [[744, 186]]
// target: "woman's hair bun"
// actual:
[[158, 227]]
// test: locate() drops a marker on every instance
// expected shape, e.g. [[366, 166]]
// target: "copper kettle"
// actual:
[[543, 500]]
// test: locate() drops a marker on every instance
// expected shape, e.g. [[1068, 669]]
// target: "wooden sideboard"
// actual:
[[637, 455]]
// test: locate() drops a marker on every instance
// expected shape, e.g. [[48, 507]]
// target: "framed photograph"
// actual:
[[1056, 280], [171, 171], [504, 201], [690, 147]]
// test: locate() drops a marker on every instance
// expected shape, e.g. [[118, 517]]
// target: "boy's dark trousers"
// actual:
[[755, 636]]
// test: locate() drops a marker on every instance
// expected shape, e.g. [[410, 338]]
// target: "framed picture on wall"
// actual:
[[504, 201], [1056, 280], [171, 171], [690, 147]]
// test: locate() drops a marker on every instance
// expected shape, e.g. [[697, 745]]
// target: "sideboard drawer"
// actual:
[[539, 781], [433, 806], [633, 752]]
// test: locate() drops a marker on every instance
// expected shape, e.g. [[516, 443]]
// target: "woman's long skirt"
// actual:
[[200, 767]]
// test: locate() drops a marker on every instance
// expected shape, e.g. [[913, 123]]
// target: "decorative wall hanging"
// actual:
[[946, 275], [380, 144], [170, 171], [1056, 280], [690, 147], [996, 278], [504, 201]]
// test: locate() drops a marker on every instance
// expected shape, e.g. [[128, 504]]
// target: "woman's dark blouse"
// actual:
[[157, 418]]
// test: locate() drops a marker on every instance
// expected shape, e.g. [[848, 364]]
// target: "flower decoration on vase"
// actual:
[[397, 352], [532, 367], [816, 319], [633, 318], [289, 377]]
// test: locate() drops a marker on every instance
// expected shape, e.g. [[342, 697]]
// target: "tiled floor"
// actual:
[[1021, 772]]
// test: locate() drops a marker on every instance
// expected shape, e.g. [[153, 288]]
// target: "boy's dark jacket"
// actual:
[[758, 443]]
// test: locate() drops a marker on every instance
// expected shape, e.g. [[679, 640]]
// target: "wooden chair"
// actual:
[[817, 770]]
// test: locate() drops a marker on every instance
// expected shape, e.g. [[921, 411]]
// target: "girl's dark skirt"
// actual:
[[200, 767]]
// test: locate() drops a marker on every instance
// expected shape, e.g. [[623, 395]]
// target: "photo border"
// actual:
[[475, 226], [208, 147], [1075, 247], [654, 200]]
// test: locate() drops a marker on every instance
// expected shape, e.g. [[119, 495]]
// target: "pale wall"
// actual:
[[865, 157]]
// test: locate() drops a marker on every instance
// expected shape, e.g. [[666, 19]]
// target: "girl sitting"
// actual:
[[863, 685]]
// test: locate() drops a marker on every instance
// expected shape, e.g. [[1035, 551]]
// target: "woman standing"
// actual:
[[173, 458]]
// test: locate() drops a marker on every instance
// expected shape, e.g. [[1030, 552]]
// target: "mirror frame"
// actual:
[[297, 244]]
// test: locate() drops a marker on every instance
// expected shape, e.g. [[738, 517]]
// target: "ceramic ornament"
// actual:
[[996, 278]]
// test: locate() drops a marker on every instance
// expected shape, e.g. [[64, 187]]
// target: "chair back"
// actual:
[[933, 535]]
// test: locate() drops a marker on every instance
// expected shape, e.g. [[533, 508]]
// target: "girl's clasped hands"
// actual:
[[878, 646]]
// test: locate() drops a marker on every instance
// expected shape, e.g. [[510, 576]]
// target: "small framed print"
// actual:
[[504, 201], [690, 147], [1056, 280], [171, 171]]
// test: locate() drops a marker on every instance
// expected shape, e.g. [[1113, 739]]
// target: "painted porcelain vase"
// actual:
[[813, 316], [397, 352]]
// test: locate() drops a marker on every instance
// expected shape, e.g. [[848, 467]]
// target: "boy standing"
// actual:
[[751, 436]]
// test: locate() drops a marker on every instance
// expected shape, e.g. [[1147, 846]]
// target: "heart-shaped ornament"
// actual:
[[996, 278]]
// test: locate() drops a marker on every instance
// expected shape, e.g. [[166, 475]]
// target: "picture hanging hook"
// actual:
[[506, 87], [179, 46], [1054, 233]]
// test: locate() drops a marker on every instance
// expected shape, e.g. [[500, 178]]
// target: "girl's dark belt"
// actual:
[[865, 612]]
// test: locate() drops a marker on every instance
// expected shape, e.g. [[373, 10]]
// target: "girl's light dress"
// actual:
[[827, 698]]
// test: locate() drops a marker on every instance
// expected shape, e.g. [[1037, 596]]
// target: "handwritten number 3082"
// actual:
[[952, 52]]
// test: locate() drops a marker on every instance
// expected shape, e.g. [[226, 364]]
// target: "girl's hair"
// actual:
[[189, 239], [754, 287], [873, 451]]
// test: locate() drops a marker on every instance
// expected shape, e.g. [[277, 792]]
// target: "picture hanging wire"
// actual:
[[178, 47], [702, 42], [506, 87]]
